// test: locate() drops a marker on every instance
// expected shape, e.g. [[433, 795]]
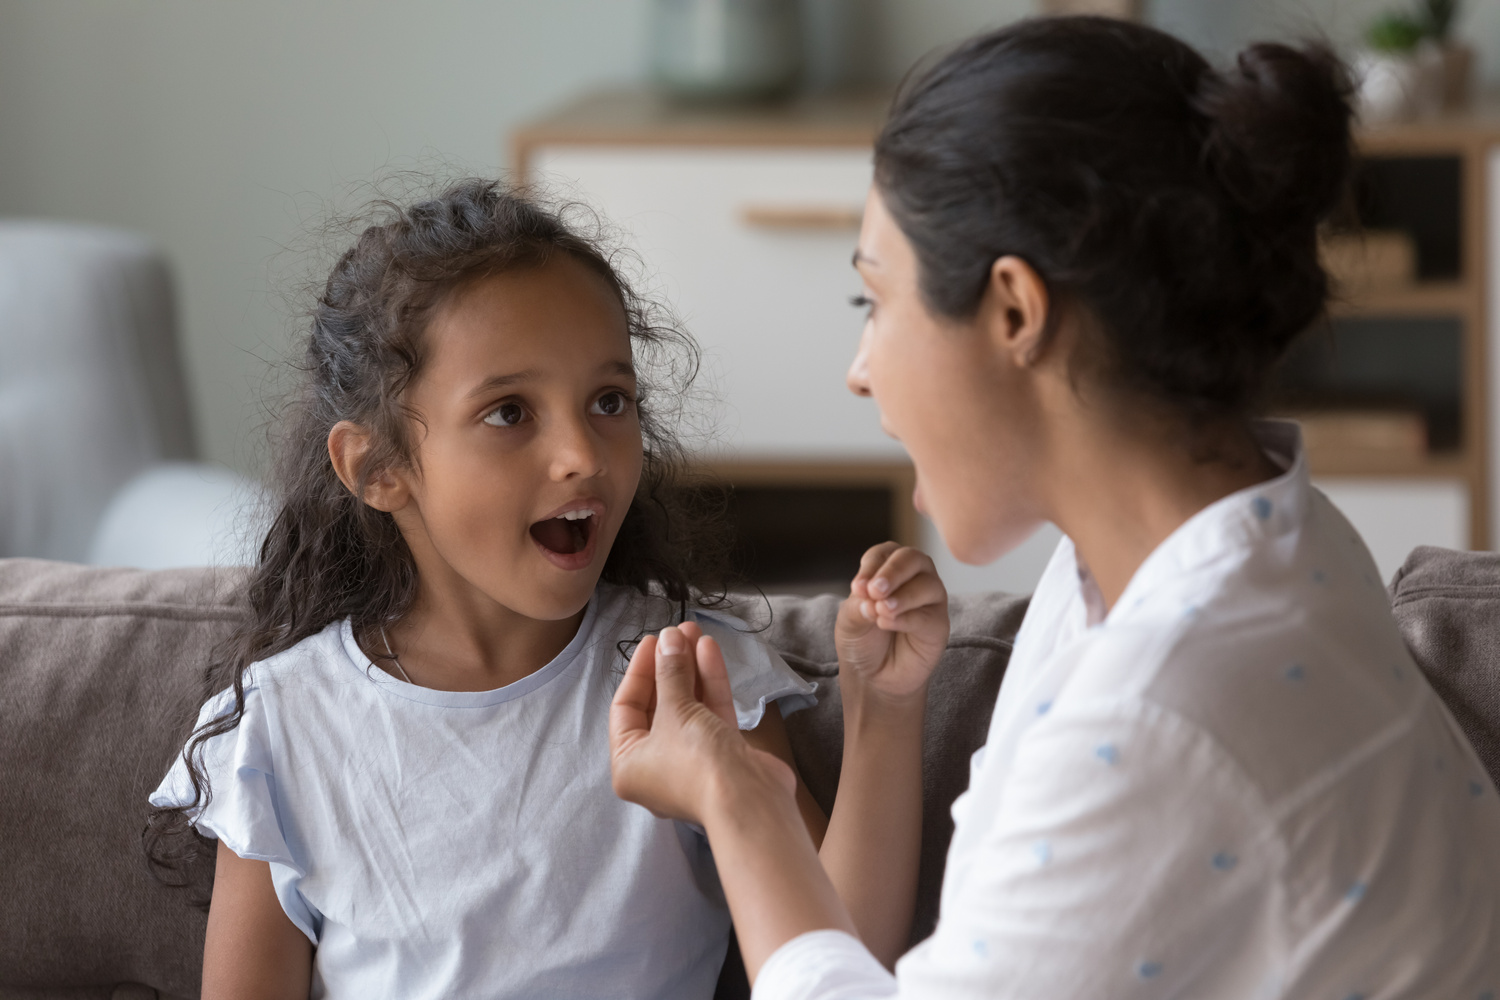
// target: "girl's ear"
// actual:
[[348, 444], [1016, 307]]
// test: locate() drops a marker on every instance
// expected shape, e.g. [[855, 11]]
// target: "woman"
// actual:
[[1213, 770]]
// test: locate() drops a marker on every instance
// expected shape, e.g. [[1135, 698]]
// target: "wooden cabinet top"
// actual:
[[640, 117]]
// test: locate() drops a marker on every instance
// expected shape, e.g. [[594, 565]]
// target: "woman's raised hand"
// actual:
[[675, 745], [894, 625]]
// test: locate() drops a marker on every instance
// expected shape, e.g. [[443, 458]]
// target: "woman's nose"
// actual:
[[858, 378]]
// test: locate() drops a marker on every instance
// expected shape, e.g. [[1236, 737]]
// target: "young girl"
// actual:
[[408, 771]]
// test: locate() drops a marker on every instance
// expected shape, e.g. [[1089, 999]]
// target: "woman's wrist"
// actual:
[[744, 787]]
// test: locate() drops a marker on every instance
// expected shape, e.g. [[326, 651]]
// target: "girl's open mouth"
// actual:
[[568, 539]]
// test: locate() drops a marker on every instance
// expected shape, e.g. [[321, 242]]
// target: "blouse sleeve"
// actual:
[[1128, 858], [242, 811], [757, 674]]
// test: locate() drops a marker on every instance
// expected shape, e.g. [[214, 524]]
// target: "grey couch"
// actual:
[[101, 674]]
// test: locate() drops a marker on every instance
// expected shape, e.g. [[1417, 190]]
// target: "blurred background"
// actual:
[[219, 132]]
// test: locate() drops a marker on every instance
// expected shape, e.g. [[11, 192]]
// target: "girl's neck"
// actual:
[[457, 642]]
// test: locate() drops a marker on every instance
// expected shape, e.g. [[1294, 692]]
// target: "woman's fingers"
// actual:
[[676, 669], [630, 711], [713, 680]]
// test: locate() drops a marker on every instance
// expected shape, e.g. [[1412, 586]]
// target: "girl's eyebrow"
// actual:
[[621, 368], [502, 381]]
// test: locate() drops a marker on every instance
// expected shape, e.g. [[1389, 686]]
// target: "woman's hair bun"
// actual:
[[1278, 135], [1176, 203]]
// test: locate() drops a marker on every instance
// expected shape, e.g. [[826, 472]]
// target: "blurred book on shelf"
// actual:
[[1349, 434], [1370, 260]]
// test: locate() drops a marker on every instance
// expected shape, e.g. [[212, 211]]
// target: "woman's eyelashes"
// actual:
[[864, 302]]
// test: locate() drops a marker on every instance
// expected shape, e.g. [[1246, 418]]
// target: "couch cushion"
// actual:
[[1447, 605], [101, 673]]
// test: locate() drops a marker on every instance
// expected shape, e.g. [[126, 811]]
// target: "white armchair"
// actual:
[[96, 436]]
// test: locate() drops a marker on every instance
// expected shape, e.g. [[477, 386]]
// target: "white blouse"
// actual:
[[1235, 784]]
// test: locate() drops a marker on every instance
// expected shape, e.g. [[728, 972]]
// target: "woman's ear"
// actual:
[[348, 444], [1015, 309]]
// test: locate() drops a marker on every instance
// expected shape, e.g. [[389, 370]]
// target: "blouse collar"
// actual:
[[1221, 533]]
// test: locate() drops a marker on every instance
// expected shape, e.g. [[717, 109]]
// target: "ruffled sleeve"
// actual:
[[242, 809], [757, 674]]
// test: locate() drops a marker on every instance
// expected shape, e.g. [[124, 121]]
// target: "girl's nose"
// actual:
[[577, 452], [858, 378]]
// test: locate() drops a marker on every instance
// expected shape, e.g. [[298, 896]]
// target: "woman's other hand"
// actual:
[[675, 746], [894, 625]]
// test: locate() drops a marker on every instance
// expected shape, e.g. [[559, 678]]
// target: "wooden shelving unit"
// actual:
[[1456, 299], [1466, 139]]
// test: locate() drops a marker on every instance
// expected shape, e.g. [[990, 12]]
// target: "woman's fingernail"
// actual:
[[881, 585], [671, 642], [889, 605], [867, 608]]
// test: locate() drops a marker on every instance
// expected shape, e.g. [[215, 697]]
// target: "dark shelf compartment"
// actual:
[[791, 536], [1422, 196], [1382, 362]]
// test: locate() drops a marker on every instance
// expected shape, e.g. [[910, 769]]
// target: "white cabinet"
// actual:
[[752, 248]]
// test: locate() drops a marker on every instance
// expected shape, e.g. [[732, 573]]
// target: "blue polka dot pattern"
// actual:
[[1042, 852], [1043, 707], [1318, 576], [1108, 753], [980, 948], [1262, 507], [1295, 672], [1224, 861], [1356, 892], [1148, 970], [1486, 995], [1476, 789]]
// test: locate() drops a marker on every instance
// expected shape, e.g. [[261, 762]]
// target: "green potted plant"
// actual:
[[1411, 64]]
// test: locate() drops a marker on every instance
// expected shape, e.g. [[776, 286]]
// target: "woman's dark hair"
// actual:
[[329, 556], [1177, 205]]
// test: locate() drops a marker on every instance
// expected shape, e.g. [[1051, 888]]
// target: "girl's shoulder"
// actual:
[[757, 673]]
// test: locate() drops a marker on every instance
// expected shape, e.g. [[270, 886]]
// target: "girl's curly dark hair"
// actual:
[[328, 555]]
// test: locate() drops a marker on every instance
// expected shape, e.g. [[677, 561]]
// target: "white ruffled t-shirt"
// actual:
[[469, 844]]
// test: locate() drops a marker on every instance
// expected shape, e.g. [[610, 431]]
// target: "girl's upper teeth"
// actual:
[[576, 515]]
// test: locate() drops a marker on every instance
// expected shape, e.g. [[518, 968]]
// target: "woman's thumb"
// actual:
[[676, 670]]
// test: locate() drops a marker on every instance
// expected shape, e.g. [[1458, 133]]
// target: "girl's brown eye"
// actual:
[[611, 404], [506, 415]]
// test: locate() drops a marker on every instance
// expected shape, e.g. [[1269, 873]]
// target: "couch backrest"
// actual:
[[1448, 607], [100, 673], [101, 676]]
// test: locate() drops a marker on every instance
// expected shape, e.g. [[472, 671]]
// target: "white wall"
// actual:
[[216, 126], [220, 127]]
